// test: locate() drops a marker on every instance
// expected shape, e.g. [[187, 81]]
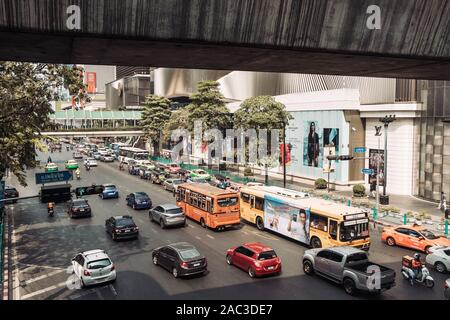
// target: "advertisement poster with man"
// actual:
[[376, 155], [286, 219], [312, 145]]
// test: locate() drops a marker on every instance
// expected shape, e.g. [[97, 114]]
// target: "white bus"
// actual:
[[130, 153]]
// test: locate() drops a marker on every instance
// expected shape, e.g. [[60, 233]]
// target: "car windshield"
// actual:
[[80, 203], [226, 202], [174, 211], [189, 254], [173, 165], [98, 264], [177, 182], [124, 222], [267, 255], [110, 187], [201, 172], [141, 195], [428, 234]]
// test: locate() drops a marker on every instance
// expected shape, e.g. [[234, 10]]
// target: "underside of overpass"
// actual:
[[301, 36]]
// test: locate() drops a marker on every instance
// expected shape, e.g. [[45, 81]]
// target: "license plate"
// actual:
[[196, 264], [127, 230], [270, 268], [82, 210]]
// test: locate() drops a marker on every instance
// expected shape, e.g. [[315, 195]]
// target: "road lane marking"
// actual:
[[264, 236], [113, 290], [209, 236], [245, 232], [35, 293], [197, 237], [41, 277], [30, 266], [191, 226]]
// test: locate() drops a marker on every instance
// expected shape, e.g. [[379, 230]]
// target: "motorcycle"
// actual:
[[51, 211], [423, 277], [78, 176]]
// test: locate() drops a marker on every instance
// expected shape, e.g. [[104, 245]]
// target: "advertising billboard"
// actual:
[[283, 217], [312, 144], [91, 79]]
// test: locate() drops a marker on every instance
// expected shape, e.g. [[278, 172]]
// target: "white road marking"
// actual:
[[209, 236], [264, 236], [113, 290], [30, 266], [35, 293], [245, 232], [191, 226], [198, 237], [42, 277]]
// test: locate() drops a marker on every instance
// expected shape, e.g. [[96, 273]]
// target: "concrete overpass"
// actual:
[[99, 134], [303, 36]]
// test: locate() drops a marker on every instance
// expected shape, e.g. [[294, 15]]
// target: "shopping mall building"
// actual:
[[345, 112]]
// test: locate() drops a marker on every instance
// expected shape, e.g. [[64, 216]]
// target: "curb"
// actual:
[[5, 289]]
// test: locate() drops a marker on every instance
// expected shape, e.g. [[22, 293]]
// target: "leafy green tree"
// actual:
[[179, 119], [208, 106], [26, 90], [262, 112], [155, 116]]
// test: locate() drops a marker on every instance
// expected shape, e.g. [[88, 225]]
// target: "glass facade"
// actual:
[[434, 159]]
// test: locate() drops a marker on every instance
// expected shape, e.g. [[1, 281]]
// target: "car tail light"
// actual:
[[136, 228], [117, 230], [113, 267], [184, 265], [446, 285], [86, 273]]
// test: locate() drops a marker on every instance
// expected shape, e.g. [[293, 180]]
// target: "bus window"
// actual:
[[333, 229], [202, 201], [245, 197], [227, 202], [252, 201], [259, 203], [319, 222], [209, 208]]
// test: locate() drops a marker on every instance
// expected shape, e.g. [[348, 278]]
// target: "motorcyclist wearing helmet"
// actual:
[[416, 266]]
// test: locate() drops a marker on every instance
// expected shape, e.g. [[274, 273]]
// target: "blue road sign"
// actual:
[[2, 193], [360, 149], [58, 176], [368, 171]]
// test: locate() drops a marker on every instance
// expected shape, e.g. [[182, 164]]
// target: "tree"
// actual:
[[208, 106], [262, 112], [26, 90], [155, 116], [179, 119]]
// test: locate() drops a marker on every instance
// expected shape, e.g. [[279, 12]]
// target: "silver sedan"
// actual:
[[168, 215], [172, 184]]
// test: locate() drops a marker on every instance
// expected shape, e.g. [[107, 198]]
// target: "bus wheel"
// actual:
[[260, 223], [316, 243], [202, 223]]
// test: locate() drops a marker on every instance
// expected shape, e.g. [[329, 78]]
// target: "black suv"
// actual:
[[121, 227], [11, 192], [79, 208]]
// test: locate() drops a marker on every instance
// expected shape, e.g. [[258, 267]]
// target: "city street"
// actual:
[[42, 249]]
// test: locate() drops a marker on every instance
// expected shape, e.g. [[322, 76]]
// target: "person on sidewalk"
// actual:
[[443, 202]]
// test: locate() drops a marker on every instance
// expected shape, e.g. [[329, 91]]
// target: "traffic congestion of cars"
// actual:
[[343, 264]]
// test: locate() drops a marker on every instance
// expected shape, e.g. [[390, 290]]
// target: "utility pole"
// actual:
[[386, 121], [378, 159]]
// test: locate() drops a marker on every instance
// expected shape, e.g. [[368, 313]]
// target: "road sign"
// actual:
[[360, 149], [368, 171], [2, 193], [47, 177]]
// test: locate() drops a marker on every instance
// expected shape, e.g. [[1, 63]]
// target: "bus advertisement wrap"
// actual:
[[286, 219]]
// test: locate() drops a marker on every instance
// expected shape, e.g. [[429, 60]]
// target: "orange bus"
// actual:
[[212, 207]]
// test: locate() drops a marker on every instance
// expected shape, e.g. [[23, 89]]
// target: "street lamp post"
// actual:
[[386, 121]]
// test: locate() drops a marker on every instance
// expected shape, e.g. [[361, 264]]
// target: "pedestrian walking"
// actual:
[[443, 202]]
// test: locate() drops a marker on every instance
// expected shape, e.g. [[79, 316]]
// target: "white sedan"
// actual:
[[92, 162], [439, 257], [92, 267]]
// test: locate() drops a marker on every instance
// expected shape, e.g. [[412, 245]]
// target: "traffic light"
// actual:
[[346, 157], [89, 190], [337, 158]]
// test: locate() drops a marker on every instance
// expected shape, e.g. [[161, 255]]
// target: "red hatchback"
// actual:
[[255, 258]]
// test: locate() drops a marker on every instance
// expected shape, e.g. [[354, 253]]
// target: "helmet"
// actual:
[[417, 256]]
